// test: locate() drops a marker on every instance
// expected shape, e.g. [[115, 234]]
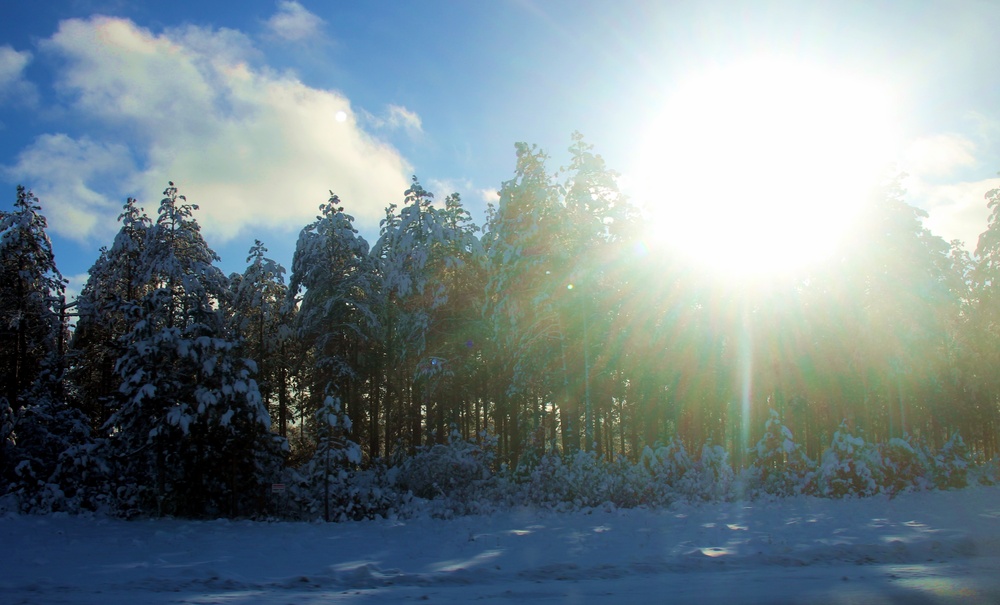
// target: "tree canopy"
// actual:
[[553, 327]]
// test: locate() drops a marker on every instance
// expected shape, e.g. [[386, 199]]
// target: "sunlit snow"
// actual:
[[927, 548]]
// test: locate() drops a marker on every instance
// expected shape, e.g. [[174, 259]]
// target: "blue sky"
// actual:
[[237, 102]]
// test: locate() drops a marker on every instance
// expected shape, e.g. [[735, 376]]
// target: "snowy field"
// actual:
[[925, 548]]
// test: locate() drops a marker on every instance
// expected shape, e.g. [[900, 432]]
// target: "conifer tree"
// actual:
[[36, 425], [981, 333], [112, 289], [426, 258], [261, 319], [599, 237], [527, 267], [192, 415], [335, 289], [31, 301]]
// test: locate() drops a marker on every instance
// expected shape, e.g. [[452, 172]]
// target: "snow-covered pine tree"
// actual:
[[261, 319], [426, 257], [192, 415], [849, 467], [402, 256], [951, 464], [714, 477], [597, 241], [460, 328], [105, 316], [456, 471], [32, 293], [907, 465], [527, 266], [336, 456], [335, 287], [36, 425], [778, 464], [57, 463], [668, 464], [980, 416]]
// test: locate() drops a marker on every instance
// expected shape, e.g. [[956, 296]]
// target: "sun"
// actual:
[[759, 167]]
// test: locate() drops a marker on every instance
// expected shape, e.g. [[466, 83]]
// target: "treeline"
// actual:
[[554, 327]]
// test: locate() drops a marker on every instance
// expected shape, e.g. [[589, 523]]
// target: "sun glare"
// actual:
[[759, 167]]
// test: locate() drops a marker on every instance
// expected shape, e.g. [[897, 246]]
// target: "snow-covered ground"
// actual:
[[925, 548]]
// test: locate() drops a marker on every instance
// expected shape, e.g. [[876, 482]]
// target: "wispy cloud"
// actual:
[[956, 210], [473, 198], [67, 175], [75, 285], [939, 156], [396, 117], [294, 23], [489, 195], [937, 169], [442, 188], [14, 88], [401, 117], [252, 147], [12, 64]]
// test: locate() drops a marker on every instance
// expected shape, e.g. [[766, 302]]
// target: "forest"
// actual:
[[551, 350]]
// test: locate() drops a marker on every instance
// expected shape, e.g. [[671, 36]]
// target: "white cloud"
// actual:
[[125, 76], [75, 285], [12, 64], [489, 195], [939, 156], [252, 148], [13, 86], [293, 22], [474, 198], [395, 117], [442, 188], [985, 127], [222, 46], [66, 174], [956, 210], [401, 117], [938, 169]]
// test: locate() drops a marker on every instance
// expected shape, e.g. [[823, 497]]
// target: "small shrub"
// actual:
[[850, 467], [712, 478], [779, 465], [566, 482], [951, 464], [906, 465], [985, 474], [668, 465], [456, 470]]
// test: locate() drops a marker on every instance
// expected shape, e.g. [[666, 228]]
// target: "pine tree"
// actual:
[[335, 288], [31, 301], [527, 266], [599, 239], [335, 454], [262, 321], [31, 342], [104, 306], [778, 464], [405, 259], [192, 414], [461, 332], [849, 467], [427, 259], [56, 464], [982, 331]]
